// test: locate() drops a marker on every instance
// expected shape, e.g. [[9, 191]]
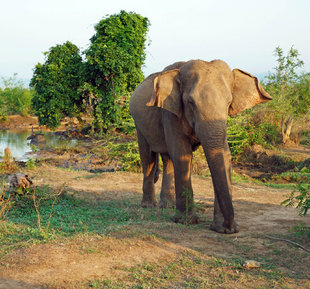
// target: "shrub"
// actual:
[[114, 60], [300, 196], [242, 135], [126, 154], [56, 83]]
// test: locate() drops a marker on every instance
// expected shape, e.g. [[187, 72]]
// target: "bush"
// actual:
[[114, 60], [56, 83], [243, 133], [300, 196], [126, 155]]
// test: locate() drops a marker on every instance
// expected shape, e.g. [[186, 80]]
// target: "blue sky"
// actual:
[[243, 33]]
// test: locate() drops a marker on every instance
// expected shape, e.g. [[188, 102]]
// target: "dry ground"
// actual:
[[75, 262]]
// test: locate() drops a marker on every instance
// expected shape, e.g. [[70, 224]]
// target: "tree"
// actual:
[[114, 60], [303, 88], [66, 86], [286, 85], [56, 83]]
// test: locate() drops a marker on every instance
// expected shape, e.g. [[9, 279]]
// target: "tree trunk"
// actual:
[[286, 128]]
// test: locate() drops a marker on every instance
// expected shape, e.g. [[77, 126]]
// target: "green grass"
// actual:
[[70, 216], [237, 178]]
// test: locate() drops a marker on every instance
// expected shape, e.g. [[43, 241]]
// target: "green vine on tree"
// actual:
[[114, 60]]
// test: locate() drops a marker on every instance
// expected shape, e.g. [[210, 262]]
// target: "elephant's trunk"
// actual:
[[212, 135]]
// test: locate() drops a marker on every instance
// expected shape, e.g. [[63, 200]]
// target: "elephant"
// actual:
[[177, 110]]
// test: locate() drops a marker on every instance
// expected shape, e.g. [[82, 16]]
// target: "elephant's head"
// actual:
[[205, 93], [210, 88]]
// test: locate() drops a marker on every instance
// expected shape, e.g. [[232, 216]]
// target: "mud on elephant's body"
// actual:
[[180, 108]]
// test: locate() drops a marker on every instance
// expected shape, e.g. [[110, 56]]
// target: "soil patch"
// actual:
[[70, 262]]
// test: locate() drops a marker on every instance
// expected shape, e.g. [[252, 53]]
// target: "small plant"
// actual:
[[301, 229], [31, 163], [3, 117], [188, 205], [188, 216], [34, 148], [38, 196], [127, 153]]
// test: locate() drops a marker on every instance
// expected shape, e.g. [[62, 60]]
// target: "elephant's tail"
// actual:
[[157, 170]]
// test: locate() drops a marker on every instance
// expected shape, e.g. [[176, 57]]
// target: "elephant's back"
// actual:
[[141, 96]]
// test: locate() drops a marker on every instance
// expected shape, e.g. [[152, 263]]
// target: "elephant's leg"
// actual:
[[149, 161], [180, 152], [167, 195], [183, 190], [218, 218]]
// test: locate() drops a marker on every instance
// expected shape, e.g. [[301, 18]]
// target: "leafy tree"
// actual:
[[114, 60], [66, 86], [290, 89], [303, 88], [56, 84]]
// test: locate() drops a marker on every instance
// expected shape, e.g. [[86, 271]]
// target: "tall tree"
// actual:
[[56, 83], [283, 85], [114, 60]]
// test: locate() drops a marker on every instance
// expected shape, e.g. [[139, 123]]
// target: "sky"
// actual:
[[244, 33]]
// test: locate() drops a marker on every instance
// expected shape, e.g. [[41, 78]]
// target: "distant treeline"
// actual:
[[15, 98]]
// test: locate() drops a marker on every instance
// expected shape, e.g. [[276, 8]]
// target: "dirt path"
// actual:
[[65, 264]]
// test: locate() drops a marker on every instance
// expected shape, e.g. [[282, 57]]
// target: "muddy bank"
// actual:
[[18, 122]]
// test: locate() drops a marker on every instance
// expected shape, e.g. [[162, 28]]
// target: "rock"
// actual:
[[19, 182], [251, 264], [37, 138]]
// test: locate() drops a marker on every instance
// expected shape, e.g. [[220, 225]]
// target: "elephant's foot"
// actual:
[[220, 227], [148, 203], [185, 219]]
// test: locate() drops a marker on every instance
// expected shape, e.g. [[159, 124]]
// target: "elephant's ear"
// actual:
[[167, 93], [247, 92]]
